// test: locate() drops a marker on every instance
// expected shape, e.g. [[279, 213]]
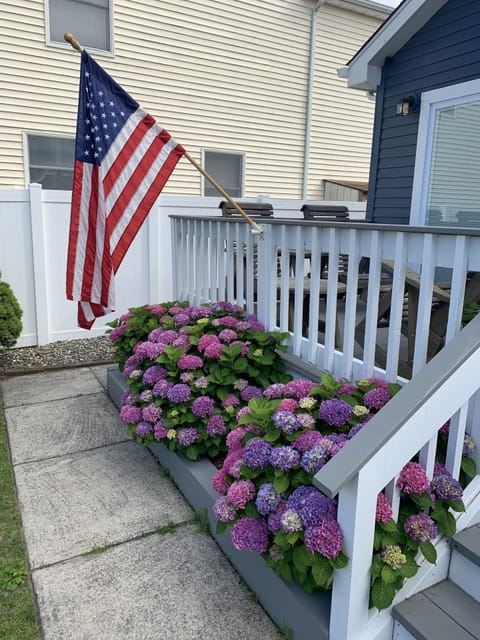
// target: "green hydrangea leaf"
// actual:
[[382, 594], [429, 552]]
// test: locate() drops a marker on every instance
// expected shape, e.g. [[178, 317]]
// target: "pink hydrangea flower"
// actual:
[[413, 479]]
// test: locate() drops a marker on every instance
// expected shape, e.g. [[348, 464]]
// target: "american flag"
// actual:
[[123, 159]]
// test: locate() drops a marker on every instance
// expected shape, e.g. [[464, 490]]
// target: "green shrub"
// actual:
[[10, 317]]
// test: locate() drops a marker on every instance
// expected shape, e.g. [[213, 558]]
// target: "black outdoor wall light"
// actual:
[[406, 105]]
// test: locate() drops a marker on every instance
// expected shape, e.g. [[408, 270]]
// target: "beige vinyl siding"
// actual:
[[216, 75], [342, 119]]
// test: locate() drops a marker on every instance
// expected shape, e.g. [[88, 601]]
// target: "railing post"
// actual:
[[351, 586], [37, 226], [159, 261]]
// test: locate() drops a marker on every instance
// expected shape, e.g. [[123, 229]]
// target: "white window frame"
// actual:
[[65, 45], [26, 153], [453, 95], [225, 152]]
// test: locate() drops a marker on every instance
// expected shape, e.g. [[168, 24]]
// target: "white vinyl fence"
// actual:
[[33, 248]]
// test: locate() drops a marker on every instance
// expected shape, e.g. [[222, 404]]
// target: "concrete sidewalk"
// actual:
[[113, 547]]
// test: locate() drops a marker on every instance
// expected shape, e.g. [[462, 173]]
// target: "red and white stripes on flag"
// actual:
[[123, 159]]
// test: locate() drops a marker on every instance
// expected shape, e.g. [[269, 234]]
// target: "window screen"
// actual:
[[227, 169], [50, 161], [453, 195], [89, 20]]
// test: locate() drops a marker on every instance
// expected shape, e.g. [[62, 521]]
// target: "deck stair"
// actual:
[[449, 610]]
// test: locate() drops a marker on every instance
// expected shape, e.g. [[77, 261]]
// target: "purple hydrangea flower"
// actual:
[[250, 392], [216, 426], [223, 510], [288, 404], [143, 428], [201, 383], [376, 398], [250, 534], [161, 388], [235, 437], [299, 388], [203, 406], [152, 413], [276, 390], [187, 436], [189, 362], [316, 509], [325, 538], [130, 415], [421, 527], [220, 482], [469, 445], [335, 412], [187, 376], [308, 440], [413, 479], [214, 350], [274, 519], [230, 462], [256, 454], [159, 430], [284, 458], [299, 496], [267, 499], [153, 374], [206, 340], [227, 335], [384, 510], [179, 393], [230, 401], [146, 395], [314, 459], [306, 420], [286, 421], [446, 488], [240, 492]]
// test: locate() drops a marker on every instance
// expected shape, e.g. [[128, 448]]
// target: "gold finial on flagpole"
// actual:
[[70, 38]]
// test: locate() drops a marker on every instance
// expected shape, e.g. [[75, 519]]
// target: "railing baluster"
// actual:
[[457, 291], [396, 309], [456, 435], [350, 595], [331, 306], [315, 275], [350, 303], [298, 293], [424, 303], [373, 296]]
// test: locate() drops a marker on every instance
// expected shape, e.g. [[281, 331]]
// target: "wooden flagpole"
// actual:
[[70, 38]]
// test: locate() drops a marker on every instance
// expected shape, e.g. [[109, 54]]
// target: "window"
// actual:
[[50, 161], [446, 188], [227, 168], [88, 20]]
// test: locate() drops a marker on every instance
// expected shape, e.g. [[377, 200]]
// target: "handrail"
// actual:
[[352, 458], [371, 226]]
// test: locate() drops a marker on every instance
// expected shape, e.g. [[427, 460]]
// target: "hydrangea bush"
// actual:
[[269, 504], [188, 368]]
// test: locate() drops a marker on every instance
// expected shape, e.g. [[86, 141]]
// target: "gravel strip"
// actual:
[[62, 354]]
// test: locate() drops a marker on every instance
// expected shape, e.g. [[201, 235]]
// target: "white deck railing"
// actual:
[[220, 259], [261, 276], [446, 388]]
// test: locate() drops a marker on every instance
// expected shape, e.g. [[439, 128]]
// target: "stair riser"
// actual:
[[465, 574]]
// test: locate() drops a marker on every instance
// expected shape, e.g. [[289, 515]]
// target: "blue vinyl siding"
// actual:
[[444, 52]]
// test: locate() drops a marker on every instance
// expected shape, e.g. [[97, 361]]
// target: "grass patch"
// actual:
[[170, 527], [17, 611]]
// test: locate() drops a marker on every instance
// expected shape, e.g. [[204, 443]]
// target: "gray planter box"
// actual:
[[307, 617]]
